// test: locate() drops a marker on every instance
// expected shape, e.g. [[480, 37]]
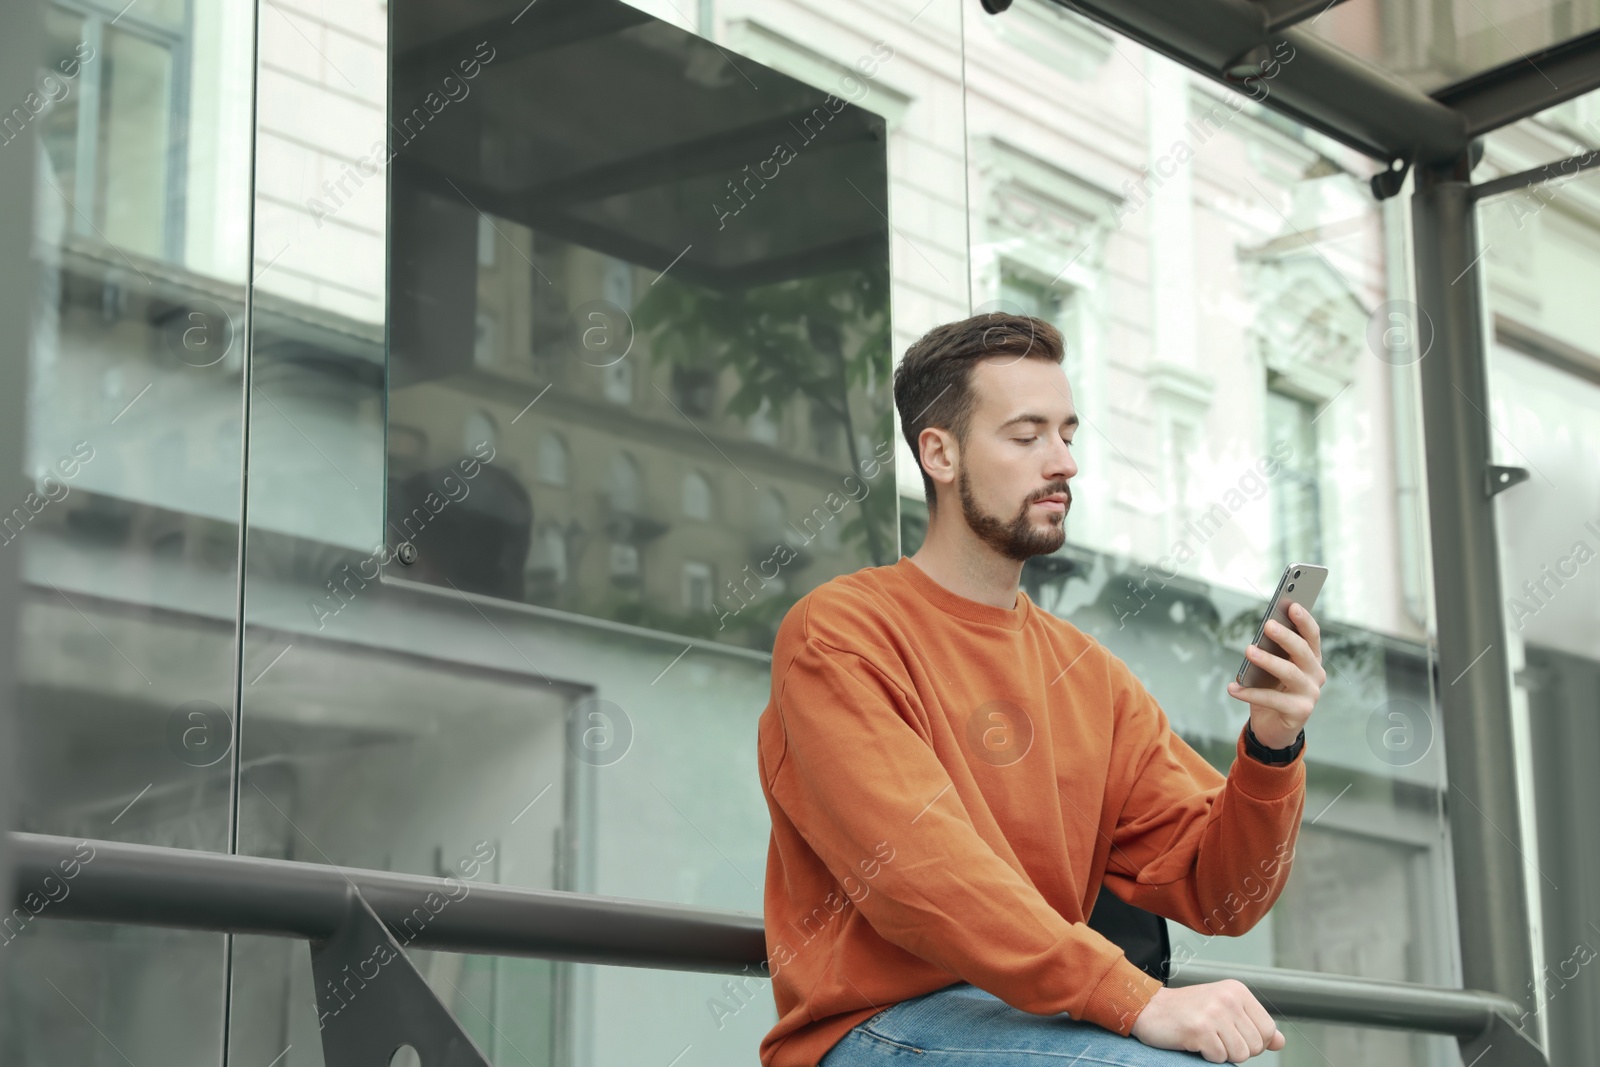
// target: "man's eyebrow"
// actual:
[[1072, 420]]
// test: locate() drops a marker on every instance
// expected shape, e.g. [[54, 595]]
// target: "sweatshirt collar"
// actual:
[[962, 608]]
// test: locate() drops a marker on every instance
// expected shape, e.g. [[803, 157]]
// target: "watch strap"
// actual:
[[1276, 756]]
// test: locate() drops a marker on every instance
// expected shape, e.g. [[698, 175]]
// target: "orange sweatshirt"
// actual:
[[950, 782]]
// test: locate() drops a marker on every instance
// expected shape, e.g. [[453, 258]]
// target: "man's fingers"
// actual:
[[1307, 625], [1260, 1019], [1285, 670], [1299, 650], [1234, 1040]]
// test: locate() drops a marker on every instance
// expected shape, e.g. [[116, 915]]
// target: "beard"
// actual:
[[1018, 538]]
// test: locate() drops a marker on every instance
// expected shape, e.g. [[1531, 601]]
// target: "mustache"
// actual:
[[1065, 491]]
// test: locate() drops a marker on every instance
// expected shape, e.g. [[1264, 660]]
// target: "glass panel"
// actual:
[[1436, 42], [129, 541], [706, 239], [547, 680], [1556, 135], [1544, 416], [1234, 307]]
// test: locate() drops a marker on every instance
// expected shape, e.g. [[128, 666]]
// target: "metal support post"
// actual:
[[1474, 678]]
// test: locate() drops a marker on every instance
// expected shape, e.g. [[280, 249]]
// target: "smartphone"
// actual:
[[1300, 584]]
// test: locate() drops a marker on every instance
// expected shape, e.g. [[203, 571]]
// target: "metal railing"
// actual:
[[344, 913]]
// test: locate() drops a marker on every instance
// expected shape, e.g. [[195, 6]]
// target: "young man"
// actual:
[[952, 773]]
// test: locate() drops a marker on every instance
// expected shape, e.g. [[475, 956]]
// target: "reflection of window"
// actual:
[[624, 563], [1022, 289], [761, 425], [1296, 500], [1030, 294], [623, 484], [618, 378], [550, 554], [694, 389], [476, 431], [696, 496], [771, 518], [552, 460], [825, 431], [616, 283], [110, 130], [697, 586], [484, 340], [486, 239]]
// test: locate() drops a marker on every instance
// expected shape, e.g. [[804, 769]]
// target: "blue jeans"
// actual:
[[963, 1026]]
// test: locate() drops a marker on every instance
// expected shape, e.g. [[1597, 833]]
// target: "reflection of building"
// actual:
[[1215, 269]]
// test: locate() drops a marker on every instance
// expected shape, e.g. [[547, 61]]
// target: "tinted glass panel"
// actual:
[[599, 310]]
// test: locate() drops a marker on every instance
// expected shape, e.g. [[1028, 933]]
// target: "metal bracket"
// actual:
[[371, 999], [1387, 183], [1499, 479], [1517, 1048]]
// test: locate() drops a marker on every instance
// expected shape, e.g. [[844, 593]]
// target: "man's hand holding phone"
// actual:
[[1278, 715]]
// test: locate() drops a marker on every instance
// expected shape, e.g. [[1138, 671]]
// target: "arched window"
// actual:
[[552, 459], [696, 496], [772, 517], [624, 484]]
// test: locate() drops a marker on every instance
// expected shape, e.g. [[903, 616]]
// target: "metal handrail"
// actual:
[[152, 885]]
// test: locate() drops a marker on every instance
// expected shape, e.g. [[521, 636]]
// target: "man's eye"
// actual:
[[1024, 440]]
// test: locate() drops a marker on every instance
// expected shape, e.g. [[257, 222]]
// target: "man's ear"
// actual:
[[939, 454]]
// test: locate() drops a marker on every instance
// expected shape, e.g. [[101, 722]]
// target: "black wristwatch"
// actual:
[[1256, 750]]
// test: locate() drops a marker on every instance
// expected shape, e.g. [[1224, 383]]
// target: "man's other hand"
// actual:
[[1222, 1021]]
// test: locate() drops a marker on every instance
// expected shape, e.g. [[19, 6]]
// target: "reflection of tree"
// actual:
[[820, 338]]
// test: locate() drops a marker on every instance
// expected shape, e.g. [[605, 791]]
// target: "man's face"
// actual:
[[1017, 455]]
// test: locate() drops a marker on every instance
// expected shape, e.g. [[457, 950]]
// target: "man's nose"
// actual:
[[1062, 463]]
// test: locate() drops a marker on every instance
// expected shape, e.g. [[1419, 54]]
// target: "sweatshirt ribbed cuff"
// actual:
[[1121, 995], [1265, 781]]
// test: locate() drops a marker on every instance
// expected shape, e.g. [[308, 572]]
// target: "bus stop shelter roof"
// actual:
[[1399, 80]]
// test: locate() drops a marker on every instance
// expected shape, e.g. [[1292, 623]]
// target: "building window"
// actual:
[[1296, 494], [697, 586], [485, 340], [109, 140], [486, 239], [696, 496], [476, 432], [616, 283], [1022, 290], [618, 379], [624, 484], [550, 556], [772, 522], [1032, 294], [761, 425], [552, 460]]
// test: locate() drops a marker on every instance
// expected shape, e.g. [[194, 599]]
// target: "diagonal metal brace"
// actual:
[[371, 999]]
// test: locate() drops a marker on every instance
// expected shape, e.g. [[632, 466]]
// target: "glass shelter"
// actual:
[[416, 418]]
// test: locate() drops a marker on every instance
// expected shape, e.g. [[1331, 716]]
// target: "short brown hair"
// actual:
[[933, 383]]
